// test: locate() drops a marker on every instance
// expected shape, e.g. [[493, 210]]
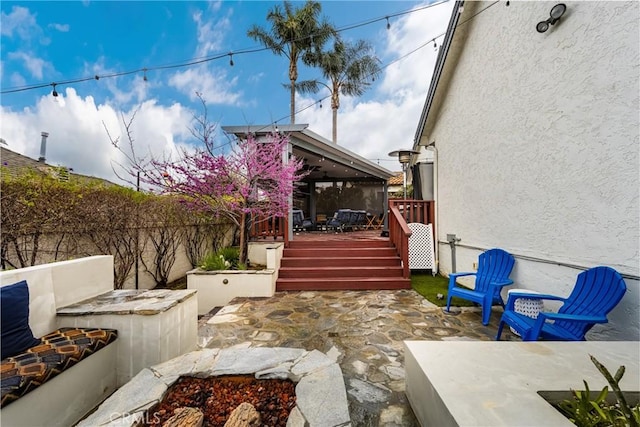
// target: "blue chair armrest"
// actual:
[[501, 283], [574, 317], [456, 275]]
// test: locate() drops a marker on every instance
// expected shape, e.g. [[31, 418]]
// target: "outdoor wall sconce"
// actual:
[[556, 12]]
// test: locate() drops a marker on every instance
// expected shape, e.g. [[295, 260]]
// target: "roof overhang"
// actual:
[[324, 159], [437, 74]]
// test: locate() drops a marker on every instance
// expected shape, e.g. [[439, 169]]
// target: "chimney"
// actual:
[[43, 146]]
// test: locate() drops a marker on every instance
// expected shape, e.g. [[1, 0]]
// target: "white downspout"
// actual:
[[435, 211]]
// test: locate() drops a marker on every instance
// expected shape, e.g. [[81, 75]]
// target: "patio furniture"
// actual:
[[596, 292], [341, 220], [494, 268], [321, 222], [300, 223]]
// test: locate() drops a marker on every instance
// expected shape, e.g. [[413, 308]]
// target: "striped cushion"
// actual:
[[54, 353]]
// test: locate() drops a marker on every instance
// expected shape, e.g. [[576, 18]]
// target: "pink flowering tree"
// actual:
[[255, 180]]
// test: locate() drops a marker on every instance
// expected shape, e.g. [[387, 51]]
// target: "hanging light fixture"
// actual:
[[556, 12], [388, 24], [231, 59], [54, 92]]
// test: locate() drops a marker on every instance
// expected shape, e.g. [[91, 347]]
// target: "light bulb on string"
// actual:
[[435, 45], [54, 92], [508, 3], [388, 23], [231, 59], [144, 75]]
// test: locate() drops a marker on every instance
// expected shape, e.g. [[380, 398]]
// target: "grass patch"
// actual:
[[430, 286]]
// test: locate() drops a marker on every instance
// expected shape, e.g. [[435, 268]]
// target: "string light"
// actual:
[[231, 59], [144, 76], [435, 45], [201, 60], [55, 92], [508, 2]]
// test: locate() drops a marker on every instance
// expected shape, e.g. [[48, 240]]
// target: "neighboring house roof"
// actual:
[[397, 179], [13, 163], [326, 159]]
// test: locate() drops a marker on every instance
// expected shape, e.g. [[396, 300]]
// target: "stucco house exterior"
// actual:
[[535, 143]]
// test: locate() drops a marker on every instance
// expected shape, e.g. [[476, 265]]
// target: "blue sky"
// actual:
[[45, 42]]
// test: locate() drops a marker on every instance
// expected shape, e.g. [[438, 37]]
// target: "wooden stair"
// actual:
[[340, 265]]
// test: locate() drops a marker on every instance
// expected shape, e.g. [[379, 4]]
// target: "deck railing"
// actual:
[[402, 212], [269, 227]]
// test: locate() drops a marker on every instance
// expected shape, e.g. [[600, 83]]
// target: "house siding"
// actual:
[[538, 146]]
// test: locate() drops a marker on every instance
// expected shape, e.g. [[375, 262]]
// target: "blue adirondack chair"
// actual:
[[494, 268], [597, 291]]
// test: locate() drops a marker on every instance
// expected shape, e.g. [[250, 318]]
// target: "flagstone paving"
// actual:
[[364, 330]]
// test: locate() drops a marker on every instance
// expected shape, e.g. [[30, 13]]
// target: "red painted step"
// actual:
[[341, 265], [337, 252], [336, 272], [334, 284], [340, 262]]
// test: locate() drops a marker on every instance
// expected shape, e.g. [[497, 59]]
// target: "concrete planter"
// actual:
[[217, 288]]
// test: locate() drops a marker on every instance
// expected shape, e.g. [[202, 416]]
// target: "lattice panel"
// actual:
[[421, 256]]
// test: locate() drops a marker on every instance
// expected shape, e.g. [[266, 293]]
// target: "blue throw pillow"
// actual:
[[14, 313]]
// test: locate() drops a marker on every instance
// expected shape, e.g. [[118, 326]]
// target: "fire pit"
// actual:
[[320, 395], [218, 397]]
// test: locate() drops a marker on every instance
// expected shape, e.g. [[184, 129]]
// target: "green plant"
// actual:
[[213, 262], [584, 411], [231, 254], [430, 287], [224, 259]]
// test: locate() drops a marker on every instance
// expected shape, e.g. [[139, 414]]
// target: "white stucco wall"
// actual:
[[537, 140]]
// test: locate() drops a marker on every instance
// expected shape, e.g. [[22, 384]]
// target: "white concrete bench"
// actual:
[[67, 397]]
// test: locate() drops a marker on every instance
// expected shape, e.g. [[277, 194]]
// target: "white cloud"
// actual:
[[33, 64], [213, 84], [63, 28], [77, 137], [375, 128], [17, 80], [211, 32], [20, 21], [124, 90]]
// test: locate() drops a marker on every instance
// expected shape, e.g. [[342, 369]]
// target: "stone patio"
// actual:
[[363, 330]]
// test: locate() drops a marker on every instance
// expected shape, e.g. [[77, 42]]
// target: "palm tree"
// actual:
[[349, 68], [295, 33]]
